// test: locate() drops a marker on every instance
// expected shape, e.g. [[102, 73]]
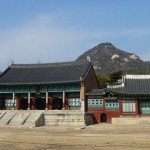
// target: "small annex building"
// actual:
[[53, 86], [130, 98]]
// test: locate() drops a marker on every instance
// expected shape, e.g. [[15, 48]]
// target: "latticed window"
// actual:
[[112, 104], [129, 106], [74, 102], [92, 103], [9, 103], [144, 106]]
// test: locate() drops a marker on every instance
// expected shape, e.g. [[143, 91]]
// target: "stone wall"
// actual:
[[39, 121], [70, 118], [131, 120], [30, 118]]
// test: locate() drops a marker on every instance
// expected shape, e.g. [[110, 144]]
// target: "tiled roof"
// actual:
[[133, 87], [45, 73], [96, 92]]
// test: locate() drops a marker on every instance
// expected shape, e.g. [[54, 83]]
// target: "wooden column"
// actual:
[[66, 102], [120, 107], [13, 101], [33, 104], [18, 103], [50, 103], [29, 101], [82, 96], [63, 105], [137, 107], [46, 108]]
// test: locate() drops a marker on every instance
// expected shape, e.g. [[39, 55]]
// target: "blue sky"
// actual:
[[44, 31]]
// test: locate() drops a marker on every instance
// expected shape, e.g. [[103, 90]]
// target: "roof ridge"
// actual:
[[48, 64], [137, 76]]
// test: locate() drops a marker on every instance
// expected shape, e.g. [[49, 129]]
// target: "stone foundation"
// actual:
[[131, 120], [69, 118], [35, 118]]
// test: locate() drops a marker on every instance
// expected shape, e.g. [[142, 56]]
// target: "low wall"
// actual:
[[37, 118], [131, 120], [71, 118]]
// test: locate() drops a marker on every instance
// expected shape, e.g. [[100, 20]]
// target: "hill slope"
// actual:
[[108, 59]]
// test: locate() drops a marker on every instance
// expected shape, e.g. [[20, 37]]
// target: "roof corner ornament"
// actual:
[[123, 84], [89, 58], [11, 62], [81, 78]]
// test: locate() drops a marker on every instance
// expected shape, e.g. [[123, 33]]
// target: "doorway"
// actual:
[[57, 104], [24, 104], [40, 104], [103, 118]]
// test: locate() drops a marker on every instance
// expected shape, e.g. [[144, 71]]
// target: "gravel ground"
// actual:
[[94, 137]]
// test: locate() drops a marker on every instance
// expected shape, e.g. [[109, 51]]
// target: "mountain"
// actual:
[[107, 59]]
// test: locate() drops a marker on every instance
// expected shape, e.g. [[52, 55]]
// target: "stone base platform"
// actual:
[[131, 120], [69, 118], [35, 118]]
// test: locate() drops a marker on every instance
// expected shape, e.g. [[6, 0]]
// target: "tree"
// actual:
[[115, 76], [103, 80]]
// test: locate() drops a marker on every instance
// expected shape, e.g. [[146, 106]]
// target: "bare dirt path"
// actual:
[[95, 137]]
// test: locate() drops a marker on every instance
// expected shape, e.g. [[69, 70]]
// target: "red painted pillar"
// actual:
[[18, 103], [50, 104], [137, 107], [33, 104], [120, 107], [66, 103]]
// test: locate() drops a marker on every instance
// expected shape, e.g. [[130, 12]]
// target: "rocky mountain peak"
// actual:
[[107, 59]]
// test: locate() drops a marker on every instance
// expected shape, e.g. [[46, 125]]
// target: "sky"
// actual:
[[46, 31]]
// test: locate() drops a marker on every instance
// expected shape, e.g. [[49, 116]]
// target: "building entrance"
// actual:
[[57, 103], [40, 104], [24, 104], [103, 118]]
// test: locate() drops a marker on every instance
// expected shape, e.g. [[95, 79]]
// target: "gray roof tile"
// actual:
[[134, 87], [44, 73], [96, 92]]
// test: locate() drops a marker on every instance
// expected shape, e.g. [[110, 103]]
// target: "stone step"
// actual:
[[19, 119], [32, 119], [7, 118]]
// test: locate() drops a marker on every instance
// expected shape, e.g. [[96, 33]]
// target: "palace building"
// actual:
[[68, 93], [131, 98], [54, 86]]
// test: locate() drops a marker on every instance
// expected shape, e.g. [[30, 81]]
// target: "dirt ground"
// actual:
[[94, 137]]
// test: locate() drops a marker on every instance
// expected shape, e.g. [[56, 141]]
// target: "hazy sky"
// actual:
[[45, 31]]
